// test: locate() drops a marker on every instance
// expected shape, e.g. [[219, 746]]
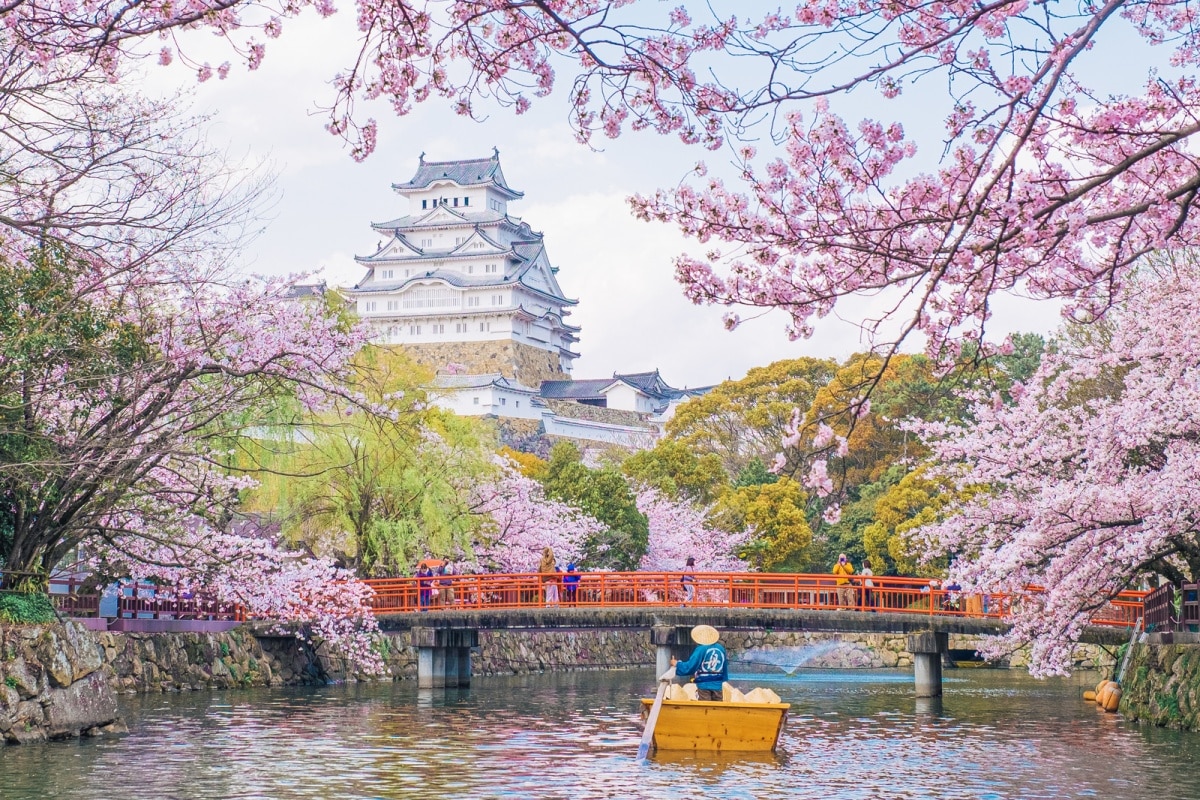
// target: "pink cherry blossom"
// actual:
[[1090, 478]]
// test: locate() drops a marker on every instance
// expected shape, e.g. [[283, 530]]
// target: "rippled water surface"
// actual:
[[996, 735]]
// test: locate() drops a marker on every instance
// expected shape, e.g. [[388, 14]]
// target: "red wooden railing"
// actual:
[[141, 601], [713, 590]]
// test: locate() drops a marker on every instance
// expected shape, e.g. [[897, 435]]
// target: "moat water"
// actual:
[[996, 735]]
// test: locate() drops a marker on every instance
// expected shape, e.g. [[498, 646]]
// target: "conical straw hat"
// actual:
[[705, 634]]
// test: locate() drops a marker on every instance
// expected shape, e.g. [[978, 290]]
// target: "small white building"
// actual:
[[488, 395]]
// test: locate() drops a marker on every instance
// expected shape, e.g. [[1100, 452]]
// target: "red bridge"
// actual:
[[919, 597]]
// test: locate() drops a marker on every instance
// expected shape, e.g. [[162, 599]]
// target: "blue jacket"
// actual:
[[709, 664]]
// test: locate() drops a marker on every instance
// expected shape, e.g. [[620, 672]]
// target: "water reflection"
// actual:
[[995, 735]]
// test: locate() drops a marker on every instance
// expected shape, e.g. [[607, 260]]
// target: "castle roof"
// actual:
[[650, 384], [448, 381], [466, 172]]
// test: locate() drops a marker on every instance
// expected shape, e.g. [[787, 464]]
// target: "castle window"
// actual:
[[393, 305], [414, 330], [481, 326], [518, 404], [430, 297], [490, 268], [476, 399], [470, 269], [466, 201], [439, 329], [456, 202], [424, 204], [387, 273], [503, 401], [370, 305], [427, 243]]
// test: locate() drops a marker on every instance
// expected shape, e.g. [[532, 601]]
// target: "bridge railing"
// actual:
[[712, 590]]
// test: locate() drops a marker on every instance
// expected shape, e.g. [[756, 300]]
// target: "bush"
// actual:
[[26, 609]]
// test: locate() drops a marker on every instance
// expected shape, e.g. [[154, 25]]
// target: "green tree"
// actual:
[[755, 473], [605, 495], [912, 502], [383, 486], [774, 515], [747, 418], [678, 472]]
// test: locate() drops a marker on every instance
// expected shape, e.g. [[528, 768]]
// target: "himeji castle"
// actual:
[[469, 290], [457, 267]]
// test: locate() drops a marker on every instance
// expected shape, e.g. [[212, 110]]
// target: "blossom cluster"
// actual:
[[1090, 478]]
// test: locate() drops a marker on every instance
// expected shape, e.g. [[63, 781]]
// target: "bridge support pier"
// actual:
[[927, 649], [444, 656], [670, 640]]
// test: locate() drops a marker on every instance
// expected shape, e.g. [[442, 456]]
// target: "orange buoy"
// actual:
[[1089, 695], [1113, 699]]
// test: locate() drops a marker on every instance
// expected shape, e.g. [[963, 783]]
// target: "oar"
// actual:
[[648, 735]]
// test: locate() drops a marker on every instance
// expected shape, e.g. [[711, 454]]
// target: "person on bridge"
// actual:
[[424, 585], [868, 585], [843, 569], [571, 583], [548, 569], [708, 663], [689, 580]]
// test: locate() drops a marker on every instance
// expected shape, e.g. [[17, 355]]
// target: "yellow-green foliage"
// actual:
[[774, 512], [530, 465], [676, 471], [382, 482], [740, 419], [915, 501]]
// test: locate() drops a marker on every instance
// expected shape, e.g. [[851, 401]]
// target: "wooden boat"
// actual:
[[717, 726]]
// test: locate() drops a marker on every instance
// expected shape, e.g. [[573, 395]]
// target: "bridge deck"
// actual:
[[723, 619]]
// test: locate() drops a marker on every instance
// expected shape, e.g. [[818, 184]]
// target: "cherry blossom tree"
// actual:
[[1048, 181], [132, 359], [679, 529], [331, 607], [1089, 478], [525, 522]]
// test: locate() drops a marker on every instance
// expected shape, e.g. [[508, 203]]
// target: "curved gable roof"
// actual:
[[466, 172]]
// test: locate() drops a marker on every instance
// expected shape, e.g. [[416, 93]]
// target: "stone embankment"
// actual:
[[1162, 685], [53, 684], [62, 680]]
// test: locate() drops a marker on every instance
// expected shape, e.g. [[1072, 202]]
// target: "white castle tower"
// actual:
[[460, 281]]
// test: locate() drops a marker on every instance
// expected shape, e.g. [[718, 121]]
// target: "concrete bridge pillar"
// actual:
[[670, 640], [444, 656], [927, 649]]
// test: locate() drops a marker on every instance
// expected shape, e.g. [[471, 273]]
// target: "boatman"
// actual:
[[708, 663]]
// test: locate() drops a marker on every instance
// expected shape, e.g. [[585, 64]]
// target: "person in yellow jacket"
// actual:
[[843, 568]]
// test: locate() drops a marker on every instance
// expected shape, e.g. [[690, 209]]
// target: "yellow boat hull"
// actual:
[[720, 727]]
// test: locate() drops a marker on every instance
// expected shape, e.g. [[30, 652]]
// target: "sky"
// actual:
[[633, 314]]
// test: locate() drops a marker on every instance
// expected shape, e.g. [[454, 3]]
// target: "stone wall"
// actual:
[[514, 652], [524, 363], [612, 416], [59, 680], [53, 684], [163, 662], [1162, 685]]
